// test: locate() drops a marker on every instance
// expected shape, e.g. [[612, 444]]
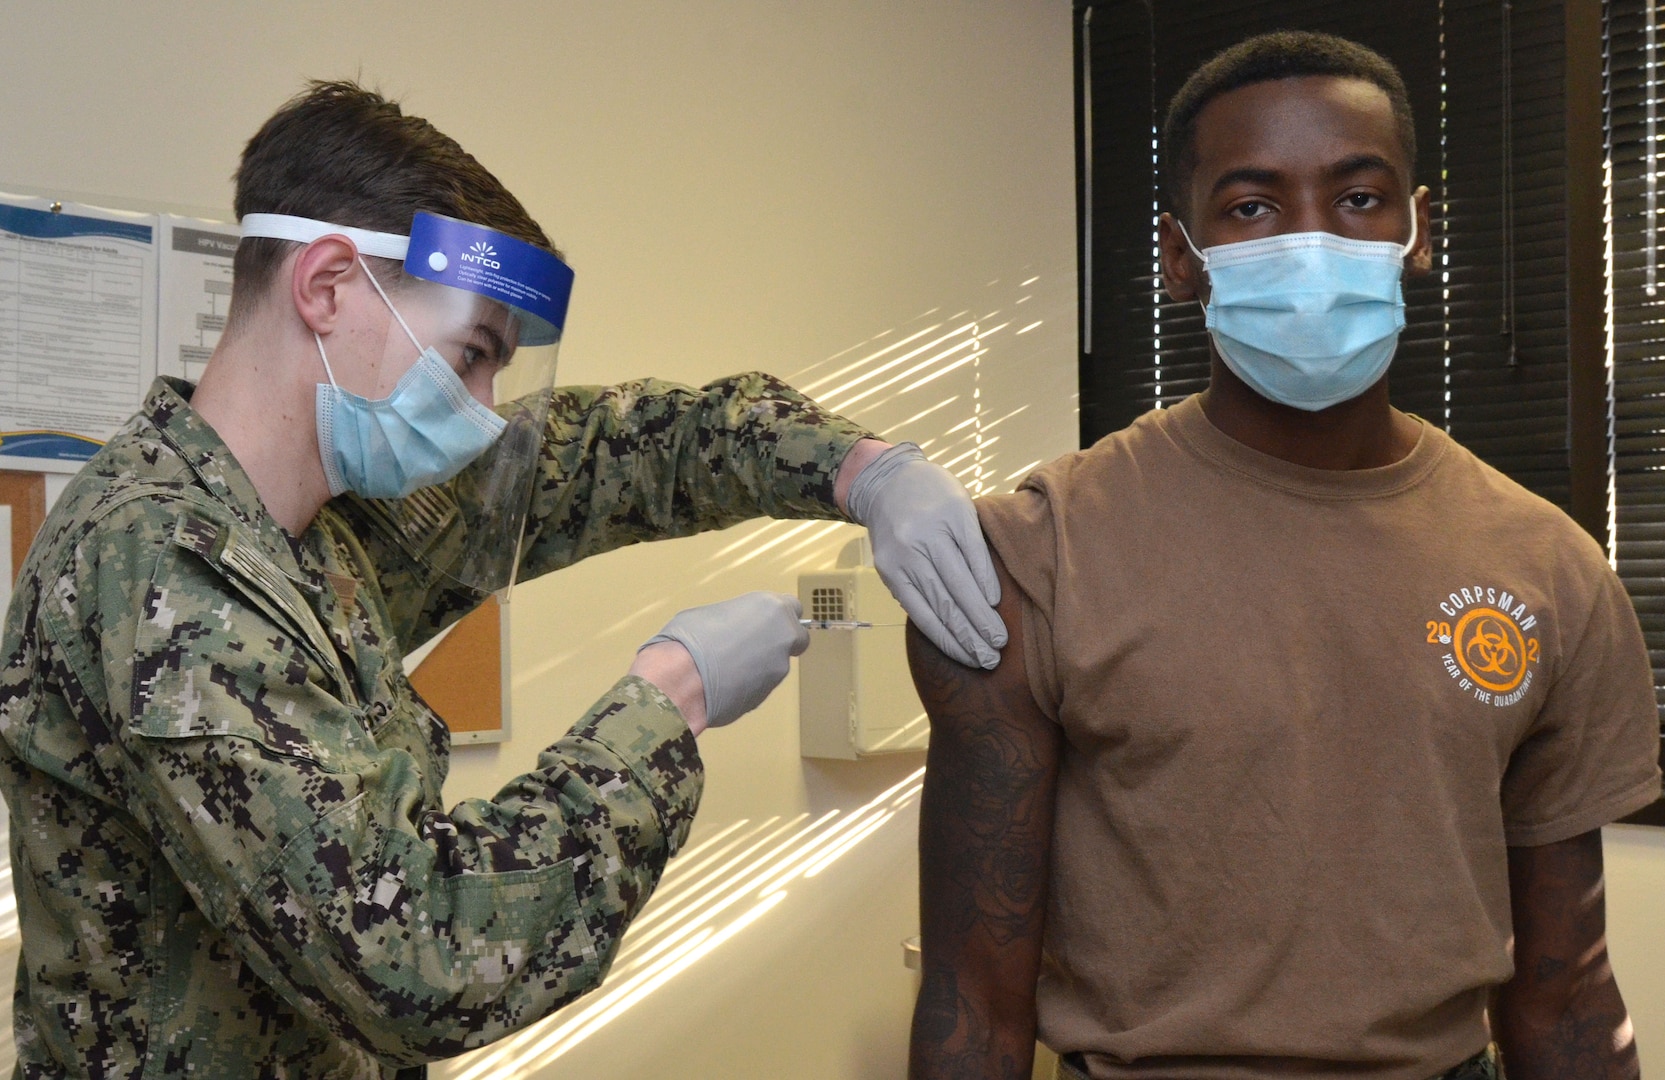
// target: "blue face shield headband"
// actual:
[[479, 296], [458, 254], [1307, 320]]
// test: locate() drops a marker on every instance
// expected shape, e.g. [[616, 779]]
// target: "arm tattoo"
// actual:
[[942, 1012], [1561, 1015], [986, 778], [984, 845]]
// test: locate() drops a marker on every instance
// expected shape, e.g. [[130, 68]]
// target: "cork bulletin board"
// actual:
[[465, 676], [23, 494]]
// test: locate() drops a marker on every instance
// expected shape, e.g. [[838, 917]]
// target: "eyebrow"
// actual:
[[1245, 175], [1352, 166], [1346, 167], [498, 344]]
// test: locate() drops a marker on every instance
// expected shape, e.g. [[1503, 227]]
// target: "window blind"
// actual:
[[1634, 120]]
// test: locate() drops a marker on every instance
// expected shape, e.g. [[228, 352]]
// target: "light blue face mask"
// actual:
[[425, 432], [1306, 319]]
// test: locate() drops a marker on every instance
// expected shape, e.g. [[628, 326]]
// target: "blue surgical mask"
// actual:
[[1306, 319], [425, 432]]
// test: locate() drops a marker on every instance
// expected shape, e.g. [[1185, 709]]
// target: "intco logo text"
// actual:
[[482, 254]]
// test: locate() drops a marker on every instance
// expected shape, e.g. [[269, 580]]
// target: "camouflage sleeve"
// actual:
[[412, 932], [642, 460], [648, 459]]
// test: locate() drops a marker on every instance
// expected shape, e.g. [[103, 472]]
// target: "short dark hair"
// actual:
[[1286, 54], [340, 153]]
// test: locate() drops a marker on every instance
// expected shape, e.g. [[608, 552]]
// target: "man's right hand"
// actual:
[[719, 662]]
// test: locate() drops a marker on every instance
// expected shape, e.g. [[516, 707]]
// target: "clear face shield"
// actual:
[[440, 421]]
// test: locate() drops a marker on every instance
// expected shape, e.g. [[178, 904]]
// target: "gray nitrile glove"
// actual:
[[929, 551], [742, 649]]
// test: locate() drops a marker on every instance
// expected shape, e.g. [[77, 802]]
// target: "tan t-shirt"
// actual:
[[1305, 712]]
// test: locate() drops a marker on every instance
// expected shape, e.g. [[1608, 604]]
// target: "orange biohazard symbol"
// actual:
[[1491, 649]]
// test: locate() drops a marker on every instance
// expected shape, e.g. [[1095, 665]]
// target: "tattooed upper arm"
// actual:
[[984, 843], [1561, 1015]]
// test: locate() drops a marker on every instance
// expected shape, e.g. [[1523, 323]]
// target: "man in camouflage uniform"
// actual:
[[229, 847]]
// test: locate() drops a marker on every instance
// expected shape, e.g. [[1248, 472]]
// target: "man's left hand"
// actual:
[[928, 548]]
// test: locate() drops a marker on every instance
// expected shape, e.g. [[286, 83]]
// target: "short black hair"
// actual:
[[1285, 54], [340, 153]]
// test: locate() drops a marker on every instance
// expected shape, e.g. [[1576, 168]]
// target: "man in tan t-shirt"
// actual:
[[1305, 744]]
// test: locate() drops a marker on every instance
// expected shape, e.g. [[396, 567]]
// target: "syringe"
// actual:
[[835, 624]]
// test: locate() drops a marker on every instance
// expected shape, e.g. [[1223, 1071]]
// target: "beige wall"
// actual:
[[739, 184], [1636, 931]]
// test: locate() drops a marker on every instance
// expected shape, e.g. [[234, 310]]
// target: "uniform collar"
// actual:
[[168, 408]]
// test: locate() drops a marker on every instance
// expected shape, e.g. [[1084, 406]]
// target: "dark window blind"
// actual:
[[1635, 121]]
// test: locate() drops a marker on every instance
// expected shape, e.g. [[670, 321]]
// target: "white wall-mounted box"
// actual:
[[855, 695]]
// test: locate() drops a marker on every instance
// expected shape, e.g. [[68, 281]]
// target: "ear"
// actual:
[[320, 269], [1421, 259], [1182, 273]]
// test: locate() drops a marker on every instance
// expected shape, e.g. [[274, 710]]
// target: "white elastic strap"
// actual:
[[1411, 243], [325, 359], [390, 306], [305, 230], [1200, 256]]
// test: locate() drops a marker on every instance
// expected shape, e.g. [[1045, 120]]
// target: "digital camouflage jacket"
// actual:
[[229, 846]]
